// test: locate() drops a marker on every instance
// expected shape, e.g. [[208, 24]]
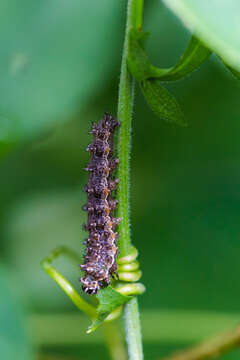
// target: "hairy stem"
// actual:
[[125, 106], [211, 348]]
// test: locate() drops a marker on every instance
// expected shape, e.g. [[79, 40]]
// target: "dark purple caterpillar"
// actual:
[[101, 250]]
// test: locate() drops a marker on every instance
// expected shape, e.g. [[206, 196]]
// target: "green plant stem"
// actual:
[[210, 348], [133, 330], [125, 106], [113, 340]]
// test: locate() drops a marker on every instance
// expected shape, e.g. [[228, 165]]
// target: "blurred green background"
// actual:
[[59, 68]]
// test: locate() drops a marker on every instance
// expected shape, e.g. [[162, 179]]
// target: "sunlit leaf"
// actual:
[[215, 22], [234, 72]]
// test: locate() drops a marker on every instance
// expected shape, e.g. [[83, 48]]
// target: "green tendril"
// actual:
[[64, 283], [133, 266], [128, 268], [128, 272], [133, 254]]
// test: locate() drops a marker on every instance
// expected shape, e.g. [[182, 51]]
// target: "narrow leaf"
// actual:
[[194, 56], [162, 102], [141, 68], [109, 299]]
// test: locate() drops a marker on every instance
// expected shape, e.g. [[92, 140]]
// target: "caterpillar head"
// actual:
[[89, 285]]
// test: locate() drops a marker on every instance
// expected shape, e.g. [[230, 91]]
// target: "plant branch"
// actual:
[[125, 106], [211, 348]]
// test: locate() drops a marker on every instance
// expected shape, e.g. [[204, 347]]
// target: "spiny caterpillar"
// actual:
[[101, 249]]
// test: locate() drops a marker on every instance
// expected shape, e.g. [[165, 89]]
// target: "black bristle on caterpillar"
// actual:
[[101, 244]]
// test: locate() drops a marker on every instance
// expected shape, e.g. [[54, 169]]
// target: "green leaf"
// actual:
[[141, 68], [162, 102], [215, 22], [194, 56], [53, 60], [109, 299]]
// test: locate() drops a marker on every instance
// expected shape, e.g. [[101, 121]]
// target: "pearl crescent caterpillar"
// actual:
[[101, 245]]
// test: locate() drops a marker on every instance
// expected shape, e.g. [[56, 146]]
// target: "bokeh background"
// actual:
[[59, 68]]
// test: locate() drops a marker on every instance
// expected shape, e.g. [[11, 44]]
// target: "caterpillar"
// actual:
[[101, 245]]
